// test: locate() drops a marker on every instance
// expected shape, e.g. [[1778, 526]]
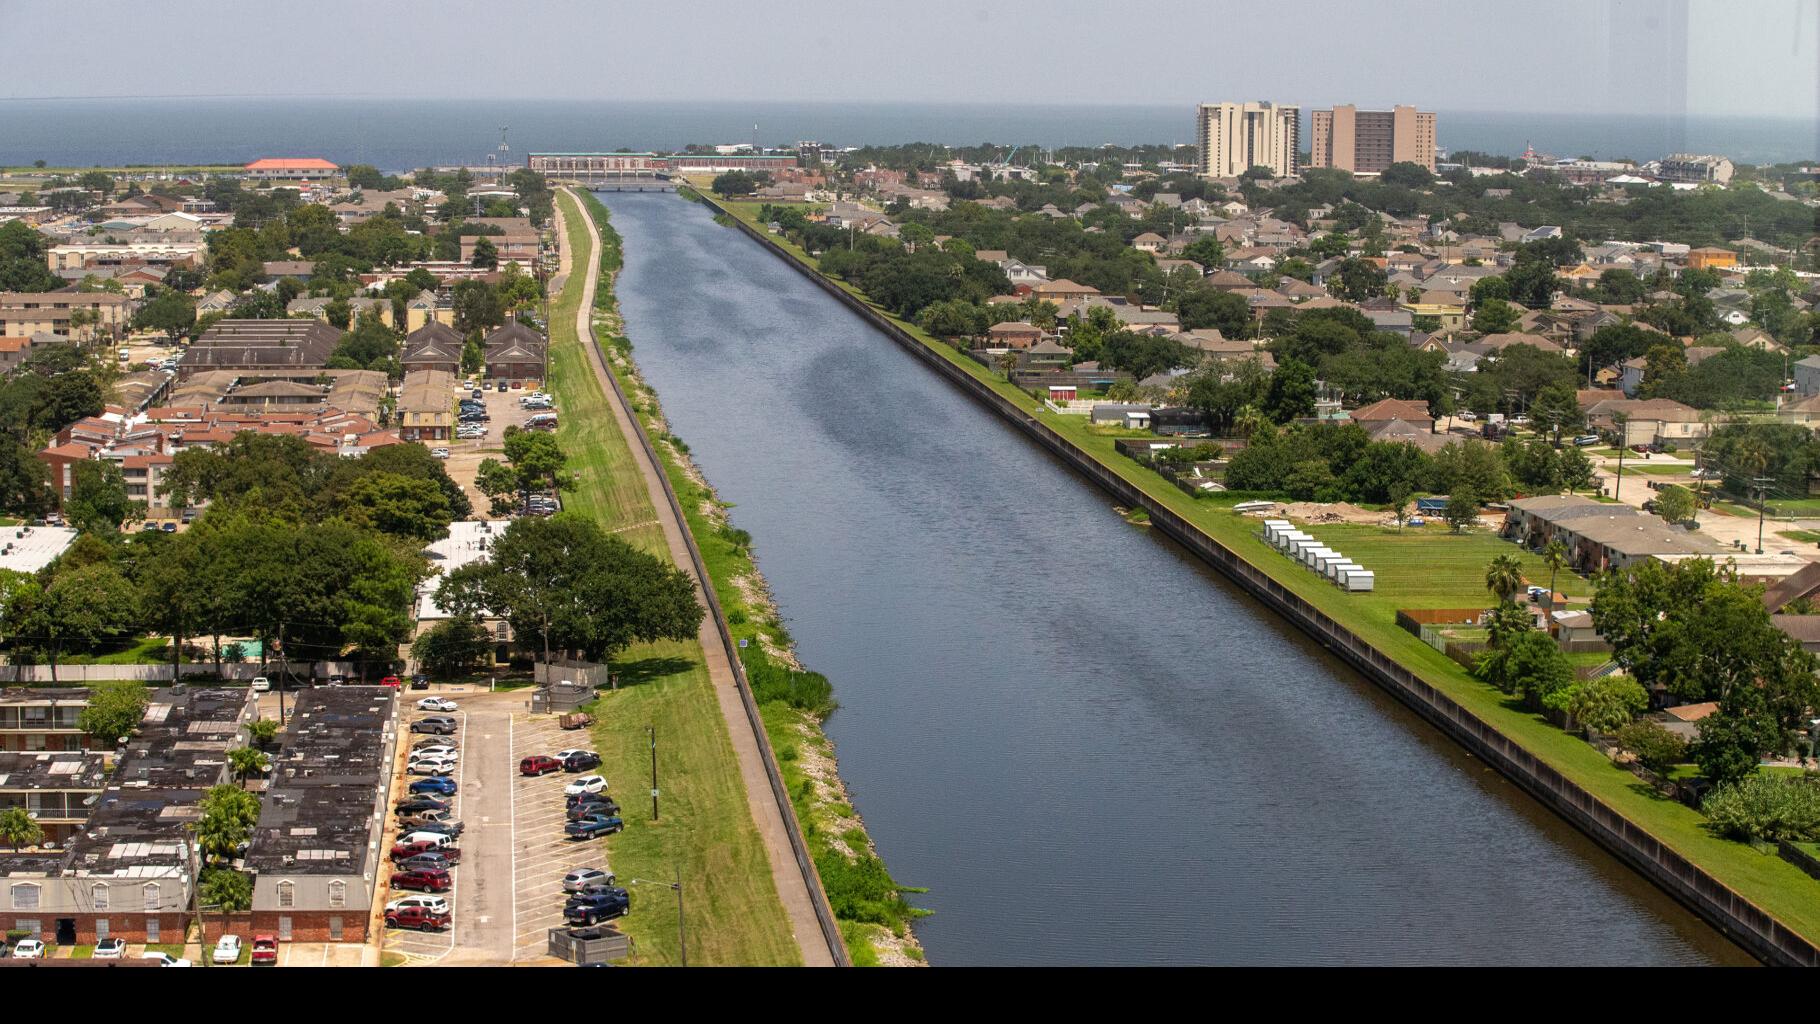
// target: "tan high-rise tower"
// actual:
[[1235, 137], [1367, 141]]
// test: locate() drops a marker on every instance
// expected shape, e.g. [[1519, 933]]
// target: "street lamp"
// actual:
[[651, 734], [682, 938]]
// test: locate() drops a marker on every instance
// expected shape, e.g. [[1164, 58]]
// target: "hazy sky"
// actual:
[[1587, 56]]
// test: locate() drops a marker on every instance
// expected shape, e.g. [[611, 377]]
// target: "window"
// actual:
[[338, 894], [287, 894], [25, 896], [98, 896], [152, 901]]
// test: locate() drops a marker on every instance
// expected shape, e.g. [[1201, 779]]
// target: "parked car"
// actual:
[[227, 950], [433, 744], [261, 684], [586, 784], [439, 453], [444, 828], [595, 907], [437, 704], [420, 918], [435, 725], [581, 878], [581, 761], [392, 681], [433, 840], [434, 904], [29, 949], [422, 881], [428, 820], [443, 787], [433, 767], [437, 860], [417, 805], [420, 682], [539, 764], [425, 855], [593, 804], [436, 754], [165, 959], [111, 948], [1586, 440], [265, 950], [593, 827]]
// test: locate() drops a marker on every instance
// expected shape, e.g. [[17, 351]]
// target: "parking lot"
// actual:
[[465, 455], [429, 947], [542, 853]]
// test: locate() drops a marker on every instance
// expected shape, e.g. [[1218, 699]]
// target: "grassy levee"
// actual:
[[705, 833], [1447, 569], [854, 879]]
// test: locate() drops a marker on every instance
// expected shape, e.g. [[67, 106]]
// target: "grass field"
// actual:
[[1765, 879], [706, 832]]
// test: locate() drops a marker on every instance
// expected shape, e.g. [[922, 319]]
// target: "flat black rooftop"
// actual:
[[322, 808], [51, 770]]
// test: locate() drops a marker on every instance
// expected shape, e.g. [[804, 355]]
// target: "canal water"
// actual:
[[1086, 744]]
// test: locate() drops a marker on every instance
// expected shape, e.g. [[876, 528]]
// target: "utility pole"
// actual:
[[682, 933], [1760, 484], [651, 734], [192, 859]]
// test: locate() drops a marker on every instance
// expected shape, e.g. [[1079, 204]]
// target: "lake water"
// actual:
[[1087, 745], [399, 135]]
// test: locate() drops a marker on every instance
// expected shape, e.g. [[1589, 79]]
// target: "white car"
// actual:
[[586, 784], [165, 959], [437, 704], [433, 904], [437, 768], [29, 949], [434, 750], [439, 453], [110, 948], [227, 950], [262, 685], [436, 760], [436, 839]]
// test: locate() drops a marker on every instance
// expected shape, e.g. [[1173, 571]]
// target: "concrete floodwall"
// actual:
[[1740, 920]]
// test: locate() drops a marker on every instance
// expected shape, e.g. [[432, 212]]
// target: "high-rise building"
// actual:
[[1367, 141], [1235, 137]]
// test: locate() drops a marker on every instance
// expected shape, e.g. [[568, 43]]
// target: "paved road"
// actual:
[[792, 887], [483, 896]]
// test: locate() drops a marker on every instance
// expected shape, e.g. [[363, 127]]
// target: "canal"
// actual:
[[1088, 746]]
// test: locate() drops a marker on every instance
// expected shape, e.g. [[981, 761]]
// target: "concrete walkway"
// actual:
[[792, 888]]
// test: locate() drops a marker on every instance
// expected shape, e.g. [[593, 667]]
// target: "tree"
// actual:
[[398, 506], [1605, 704], [1575, 468], [452, 647], [1654, 747], [225, 890], [1555, 410], [1675, 503], [83, 606], [173, 591], [170, 311], [19, 829], [1504, 578], [537, 457], [486, 254], [247, 762], [114, 710], [1292, 392], [1399, 504], [564, 584], [1204, 306], [228, 815], [98, 501], [1474, 465], [263, 732], [1731, 746], [1462, 508], [1358, 279], [1765, 808], [1526, 663], [1554, 555], [1494, 316]]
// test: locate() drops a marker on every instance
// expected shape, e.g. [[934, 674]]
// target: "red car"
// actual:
[[539, 764], [400, 851], [392, 681], [265, 950], [421, 918], [422, 881]]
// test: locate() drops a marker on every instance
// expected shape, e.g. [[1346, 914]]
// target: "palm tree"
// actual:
[[246, 761], [264, 731], [1554, 555], [1504, 578], [19, 828], [219, 835]]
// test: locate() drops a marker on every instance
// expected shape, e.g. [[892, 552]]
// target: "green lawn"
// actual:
[[706, 831], [1768, 881], [1652, 469], [1803, 536]]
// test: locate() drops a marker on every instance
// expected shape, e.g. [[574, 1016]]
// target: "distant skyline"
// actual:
[[1606, 57]]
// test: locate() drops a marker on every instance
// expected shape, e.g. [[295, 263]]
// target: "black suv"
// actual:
[[595, 804], [581, 761]]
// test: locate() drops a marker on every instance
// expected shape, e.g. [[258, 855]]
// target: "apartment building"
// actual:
[[38, 718], [1368, 141], [1697, 169], [56, 788], [317, 852], [23, 314], [1235, 137]]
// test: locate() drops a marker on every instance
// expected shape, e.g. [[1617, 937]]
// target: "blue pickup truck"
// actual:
[[601, 904], [593, 826]]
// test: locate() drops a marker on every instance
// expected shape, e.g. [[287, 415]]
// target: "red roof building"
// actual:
[[292, 169]]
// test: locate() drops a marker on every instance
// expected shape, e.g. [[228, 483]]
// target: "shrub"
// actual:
[[1766, 807], [805, 691], [1654, 746]]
